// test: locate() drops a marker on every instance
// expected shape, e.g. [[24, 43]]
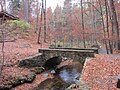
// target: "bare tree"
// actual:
[[107, 26], [41, 19], [82, 23], [2, 61], [3, 5], [103, 26], [115, 24], [37, 16], [44, 20], [26, 9]]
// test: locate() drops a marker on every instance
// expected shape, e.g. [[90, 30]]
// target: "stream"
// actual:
[[63, 78], [69, 75]]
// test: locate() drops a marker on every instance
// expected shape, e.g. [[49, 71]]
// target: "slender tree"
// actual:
[[44, 20], [82, 18], [37, 16], [103, 26], [26, 10], [115, 24], [107, 26], [40, 28], [3, 44], [3, 5]]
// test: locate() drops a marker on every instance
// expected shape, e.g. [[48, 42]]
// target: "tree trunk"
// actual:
[[115, 24], [107, 26], [5, 5], [103, 25], [37, 18], [2, 62], [112, 34], [82, 24], [26, 10], [1, 6], [41, 19], [93, 22], [45, 22]]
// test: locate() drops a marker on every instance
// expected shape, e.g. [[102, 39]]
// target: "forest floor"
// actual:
[[100, 73], [14, 52]]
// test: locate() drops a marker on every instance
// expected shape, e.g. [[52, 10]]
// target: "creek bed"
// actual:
[[65, 76]]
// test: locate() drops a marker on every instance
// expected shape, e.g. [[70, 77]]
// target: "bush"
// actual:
[[20, 24]]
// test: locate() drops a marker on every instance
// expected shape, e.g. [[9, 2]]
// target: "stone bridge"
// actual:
[[74, 54], [45, 54]]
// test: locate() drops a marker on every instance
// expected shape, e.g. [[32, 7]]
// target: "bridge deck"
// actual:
[[67, 50], [93, 49]]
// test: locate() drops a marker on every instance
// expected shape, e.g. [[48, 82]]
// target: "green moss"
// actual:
[[5, 88], [38, 70], [30, 78]]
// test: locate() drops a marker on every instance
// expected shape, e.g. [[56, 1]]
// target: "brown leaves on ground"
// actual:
[[14, 52], [31, 86], [21, 48], [101, 72]]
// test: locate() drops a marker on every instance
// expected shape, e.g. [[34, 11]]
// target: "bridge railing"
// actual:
[[93, 49]]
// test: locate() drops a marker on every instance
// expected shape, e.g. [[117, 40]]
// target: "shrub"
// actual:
[[20, 24]]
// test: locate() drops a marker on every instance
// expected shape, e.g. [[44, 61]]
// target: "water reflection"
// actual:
[[69, 75]]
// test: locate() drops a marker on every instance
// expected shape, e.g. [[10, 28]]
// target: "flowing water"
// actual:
[[64, 77], [69, 75]]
